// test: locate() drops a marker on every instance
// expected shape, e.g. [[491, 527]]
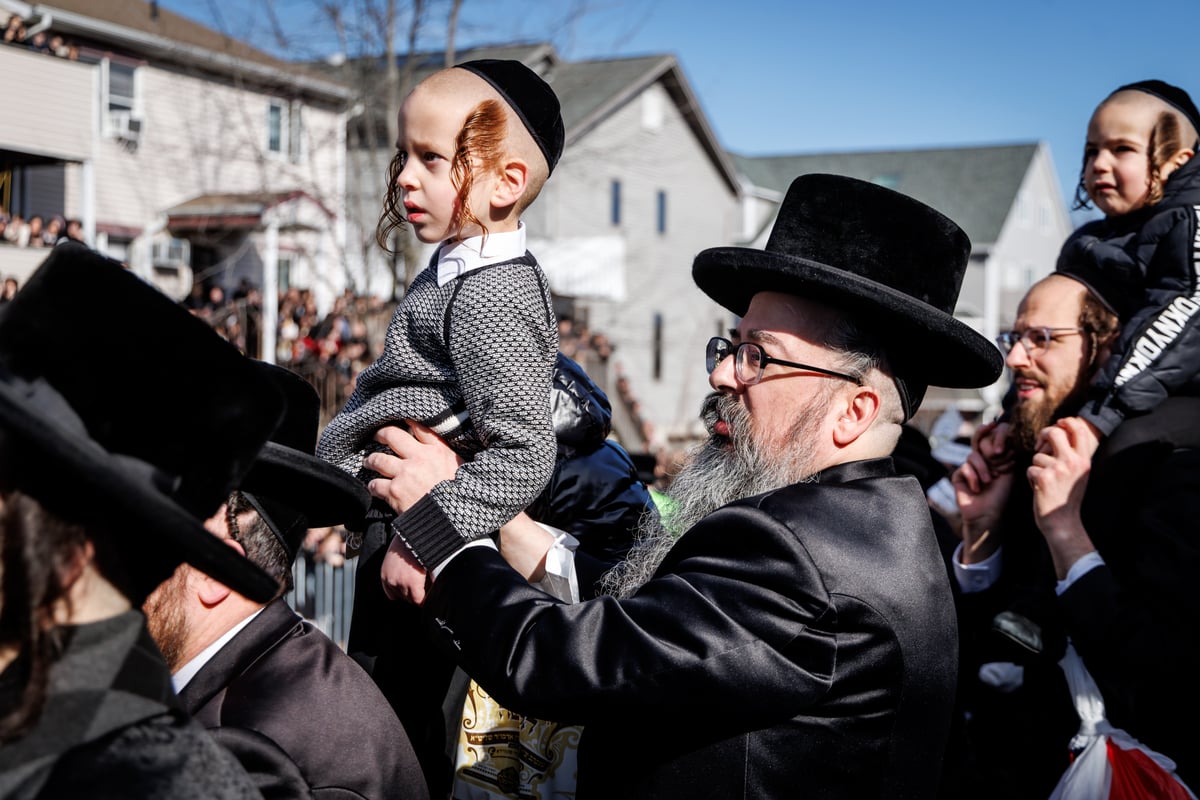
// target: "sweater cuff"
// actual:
[[1104, 417], [428, 532]]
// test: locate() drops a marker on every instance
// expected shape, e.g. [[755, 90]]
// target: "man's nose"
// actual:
[[1018, 356], [723, 378]]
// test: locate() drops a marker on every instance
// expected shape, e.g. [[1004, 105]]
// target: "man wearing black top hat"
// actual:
[[102, 494], [300, 714], [799, 640]]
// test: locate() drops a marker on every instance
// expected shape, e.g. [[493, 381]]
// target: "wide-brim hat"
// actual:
[[118, 408], [291, 488], [893, 262]]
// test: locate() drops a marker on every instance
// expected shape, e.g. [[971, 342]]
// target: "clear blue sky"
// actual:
[[789, 76]]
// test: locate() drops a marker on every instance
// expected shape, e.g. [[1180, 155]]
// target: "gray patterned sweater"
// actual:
[[473, 360]]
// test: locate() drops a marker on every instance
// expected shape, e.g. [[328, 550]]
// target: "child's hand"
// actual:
[[403, 578]]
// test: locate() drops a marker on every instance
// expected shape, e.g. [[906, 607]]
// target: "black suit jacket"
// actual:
[[1136, 620], [301, 715], [799, 643]]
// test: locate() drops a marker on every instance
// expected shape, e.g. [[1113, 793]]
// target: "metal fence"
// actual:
[[324, 594]]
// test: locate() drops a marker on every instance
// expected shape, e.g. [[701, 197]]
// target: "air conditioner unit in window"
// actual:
[[125, 127], [170, 253]]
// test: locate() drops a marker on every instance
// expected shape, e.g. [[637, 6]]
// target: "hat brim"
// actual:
[[81, 482], [323, 493], [922, 342]]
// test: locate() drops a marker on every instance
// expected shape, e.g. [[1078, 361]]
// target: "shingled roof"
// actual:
[[974, 186], [149, 29]]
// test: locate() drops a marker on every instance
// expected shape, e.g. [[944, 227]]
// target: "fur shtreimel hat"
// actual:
[[1173, 96], [894, 263], [530, 97], [290, 487], [120, 409]]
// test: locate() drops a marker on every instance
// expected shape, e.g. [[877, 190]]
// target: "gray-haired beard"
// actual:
[[721, 471]]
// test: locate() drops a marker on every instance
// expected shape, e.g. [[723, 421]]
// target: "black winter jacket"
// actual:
[[594, 493], [1146, 265]]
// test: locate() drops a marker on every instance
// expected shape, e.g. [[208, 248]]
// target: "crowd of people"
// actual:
[[16, 33], [807, 616], [37, 231]]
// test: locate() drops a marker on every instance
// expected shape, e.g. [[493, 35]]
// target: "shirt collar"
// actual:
[[462, 257], [184, 674]]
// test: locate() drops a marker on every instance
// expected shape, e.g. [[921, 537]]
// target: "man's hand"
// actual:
[[403, 578], [524, 545], [419, 461], [990, 440], [1059, 477], [981, 494]]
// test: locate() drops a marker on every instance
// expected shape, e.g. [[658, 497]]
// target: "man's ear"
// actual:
[[856, 414], [211, 591], [510, 187]]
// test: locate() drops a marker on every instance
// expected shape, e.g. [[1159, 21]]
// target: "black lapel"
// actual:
[[275, 623]]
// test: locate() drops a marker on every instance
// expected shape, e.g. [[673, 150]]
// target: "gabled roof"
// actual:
[[148, 29], [591, 91], [974, 186]]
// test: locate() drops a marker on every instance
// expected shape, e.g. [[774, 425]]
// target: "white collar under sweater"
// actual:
[[473, 253]]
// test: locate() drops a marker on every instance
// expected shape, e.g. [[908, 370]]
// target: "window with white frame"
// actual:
[[285, 129], [276, 126], [120, 88], [296, 132]]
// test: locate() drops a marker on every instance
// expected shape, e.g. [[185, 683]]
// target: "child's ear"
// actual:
[[514, 177]]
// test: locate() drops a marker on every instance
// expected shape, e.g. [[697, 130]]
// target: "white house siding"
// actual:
[[701, 212], [201, 134], [47, 105], [1028, 245]]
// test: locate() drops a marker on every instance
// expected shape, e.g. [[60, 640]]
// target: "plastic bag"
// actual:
[[1111, 764]]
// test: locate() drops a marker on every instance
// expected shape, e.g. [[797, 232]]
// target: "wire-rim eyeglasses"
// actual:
[[749, 361], [1034, 340]]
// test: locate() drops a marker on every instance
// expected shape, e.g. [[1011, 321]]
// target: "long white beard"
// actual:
[[721, 471]]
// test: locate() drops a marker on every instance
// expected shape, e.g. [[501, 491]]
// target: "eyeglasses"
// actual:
[[749, 360], [1034, 340]]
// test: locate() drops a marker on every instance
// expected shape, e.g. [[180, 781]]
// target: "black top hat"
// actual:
[[290, 487], [531, 97], [119, 408], [892, 261]]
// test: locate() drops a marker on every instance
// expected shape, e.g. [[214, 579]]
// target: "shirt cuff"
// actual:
[[485, 541], [560, 580], [1081, 567], [976, 577]]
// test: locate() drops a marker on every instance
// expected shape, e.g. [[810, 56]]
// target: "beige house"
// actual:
[[1005, 197], [192, 157]]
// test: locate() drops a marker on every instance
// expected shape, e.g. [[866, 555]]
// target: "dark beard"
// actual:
[[722, 470], [166, 619], [1028, 419]]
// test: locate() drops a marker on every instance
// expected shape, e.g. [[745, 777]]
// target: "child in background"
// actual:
[[1144, 256], [471, 348]]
